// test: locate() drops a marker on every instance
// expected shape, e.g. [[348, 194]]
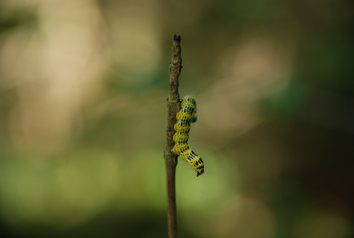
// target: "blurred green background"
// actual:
[[83, 88]]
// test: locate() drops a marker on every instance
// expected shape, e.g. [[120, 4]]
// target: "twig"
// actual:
[[173, 105]]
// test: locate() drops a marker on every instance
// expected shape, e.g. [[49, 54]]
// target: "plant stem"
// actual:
[[173, 105]]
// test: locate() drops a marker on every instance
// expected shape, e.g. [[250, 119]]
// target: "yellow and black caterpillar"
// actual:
[[186, 116]]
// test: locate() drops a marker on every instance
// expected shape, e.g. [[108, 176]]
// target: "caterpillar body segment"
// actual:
[[181, 137], [186, 116], [179, 147], [194, 160], [181, 128]]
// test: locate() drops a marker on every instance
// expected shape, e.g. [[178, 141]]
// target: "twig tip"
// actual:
[[177, 38]]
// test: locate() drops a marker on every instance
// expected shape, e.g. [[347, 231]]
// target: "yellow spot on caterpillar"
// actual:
[[186, 116]]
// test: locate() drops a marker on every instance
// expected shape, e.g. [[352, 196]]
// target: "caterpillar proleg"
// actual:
[[186, 116]]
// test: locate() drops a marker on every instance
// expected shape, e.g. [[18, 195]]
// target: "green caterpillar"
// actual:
[[186, 116]]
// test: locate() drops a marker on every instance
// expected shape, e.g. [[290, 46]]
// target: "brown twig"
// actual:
[[173, 105]]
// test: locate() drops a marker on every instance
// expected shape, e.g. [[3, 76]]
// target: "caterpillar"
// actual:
[[186, 116]]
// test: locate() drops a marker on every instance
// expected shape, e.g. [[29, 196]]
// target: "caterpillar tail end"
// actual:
[[200, 168], [200, 172]]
